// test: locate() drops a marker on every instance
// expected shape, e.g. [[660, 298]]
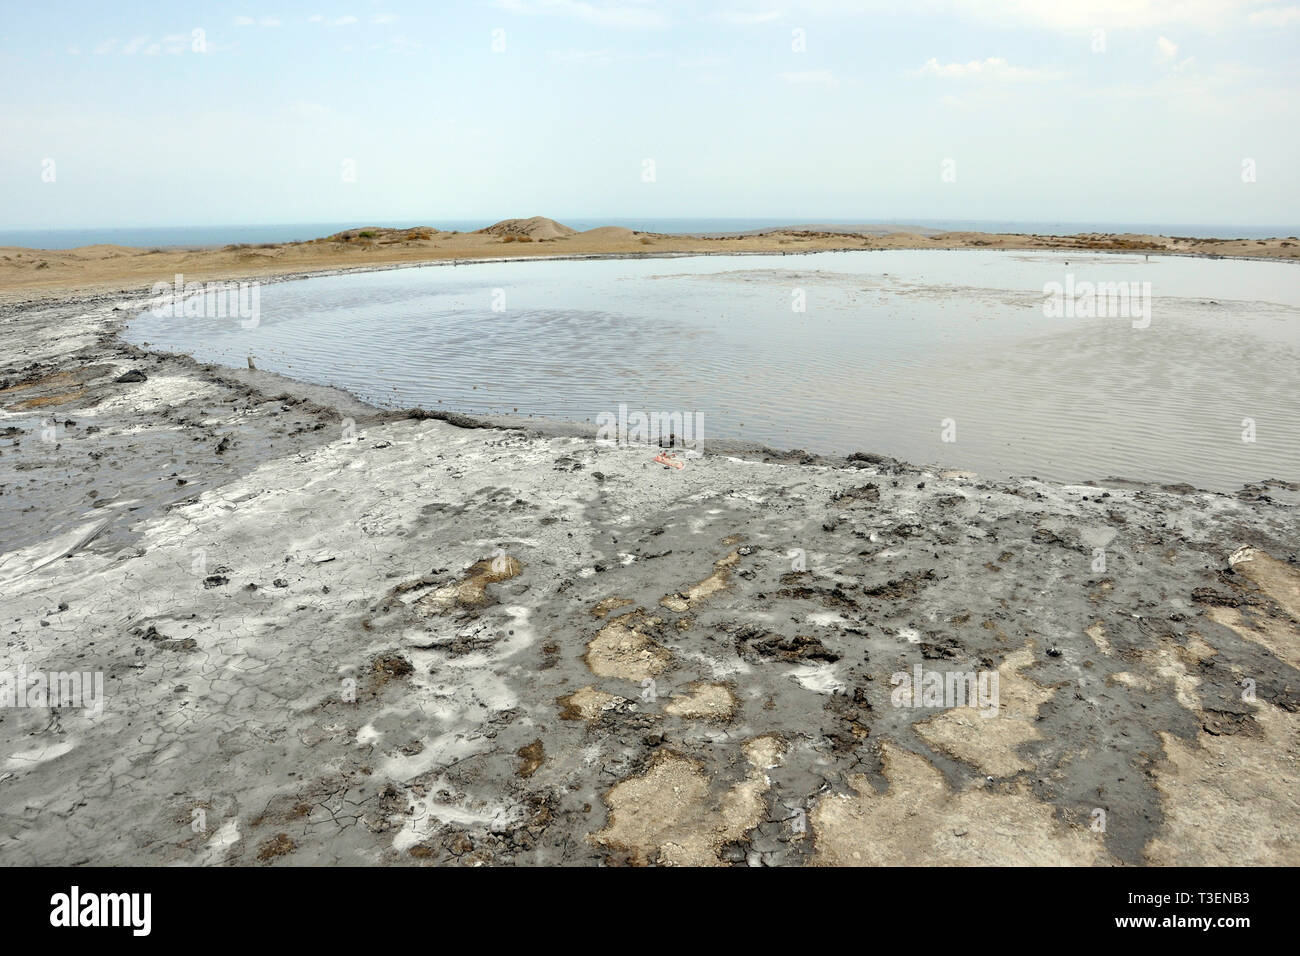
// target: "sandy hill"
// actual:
[[381, 234], [538, 227], [101, 251], [609, 233]]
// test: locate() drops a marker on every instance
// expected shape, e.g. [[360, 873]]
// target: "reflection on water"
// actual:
[[890, 344]]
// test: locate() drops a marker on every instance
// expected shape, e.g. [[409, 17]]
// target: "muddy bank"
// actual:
[[332, 635]]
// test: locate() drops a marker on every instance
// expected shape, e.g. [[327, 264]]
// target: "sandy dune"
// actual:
[[538, 227]]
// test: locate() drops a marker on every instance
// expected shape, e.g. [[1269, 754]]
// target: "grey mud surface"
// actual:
[[334, 635]]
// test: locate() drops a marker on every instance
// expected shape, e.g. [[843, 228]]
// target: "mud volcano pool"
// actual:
[[936, 357]]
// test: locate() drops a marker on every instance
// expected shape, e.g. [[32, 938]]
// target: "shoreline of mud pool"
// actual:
[[333, 634]]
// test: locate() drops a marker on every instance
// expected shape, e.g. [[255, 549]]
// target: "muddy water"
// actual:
[[889, 348]]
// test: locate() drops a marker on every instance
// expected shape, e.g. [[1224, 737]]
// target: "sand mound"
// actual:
[[374, 234], [609, 234], [101, 250], [538, 227]]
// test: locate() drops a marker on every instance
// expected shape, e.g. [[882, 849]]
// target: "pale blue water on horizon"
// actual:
[[151, 237]]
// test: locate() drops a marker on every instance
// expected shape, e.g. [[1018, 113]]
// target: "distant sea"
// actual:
[[152, 237]]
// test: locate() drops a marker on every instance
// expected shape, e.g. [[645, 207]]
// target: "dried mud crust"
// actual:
[[414, 643]]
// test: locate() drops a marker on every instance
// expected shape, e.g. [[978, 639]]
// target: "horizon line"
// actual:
[[781, 220]]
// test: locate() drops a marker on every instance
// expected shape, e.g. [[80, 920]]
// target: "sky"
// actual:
[[178, 113]]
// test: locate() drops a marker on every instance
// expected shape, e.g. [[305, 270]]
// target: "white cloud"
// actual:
[[1166, 50], [172, 44], [1275, 17], [810, 78], [341, 21], [993, 68]]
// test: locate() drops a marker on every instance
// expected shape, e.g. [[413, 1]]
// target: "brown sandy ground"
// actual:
[[330, 635], [35, 273]]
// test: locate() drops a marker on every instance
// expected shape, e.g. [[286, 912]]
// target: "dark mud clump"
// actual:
[[757, 645]]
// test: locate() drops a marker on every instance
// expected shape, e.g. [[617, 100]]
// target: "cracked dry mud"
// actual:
[[414, 643]]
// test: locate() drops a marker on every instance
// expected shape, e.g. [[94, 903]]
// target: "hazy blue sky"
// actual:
[[807, 109]]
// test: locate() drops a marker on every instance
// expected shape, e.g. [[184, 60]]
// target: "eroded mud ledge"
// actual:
[[237, 564]]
